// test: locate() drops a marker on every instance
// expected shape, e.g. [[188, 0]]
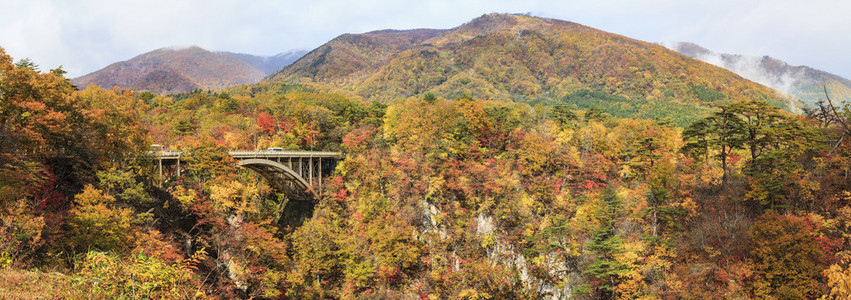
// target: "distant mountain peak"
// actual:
[[178, 69], [182, 48], [270, 64]]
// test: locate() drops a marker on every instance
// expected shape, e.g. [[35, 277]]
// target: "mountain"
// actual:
[[270, 64], [524, 58], [802, 82], [176, 70], [356, 54]]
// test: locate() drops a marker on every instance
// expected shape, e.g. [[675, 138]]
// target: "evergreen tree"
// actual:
[[605, 245]]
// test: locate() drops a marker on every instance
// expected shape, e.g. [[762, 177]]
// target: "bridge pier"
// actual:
[[320, 175], [165, 159]]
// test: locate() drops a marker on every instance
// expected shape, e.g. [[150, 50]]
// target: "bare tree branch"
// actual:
[[839, 120]]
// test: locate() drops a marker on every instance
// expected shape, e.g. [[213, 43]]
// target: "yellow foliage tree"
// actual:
[[97, 224]]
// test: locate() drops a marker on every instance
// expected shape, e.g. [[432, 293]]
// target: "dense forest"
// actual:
[[436, 197]]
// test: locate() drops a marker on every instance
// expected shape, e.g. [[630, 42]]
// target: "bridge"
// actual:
[[296, 173]]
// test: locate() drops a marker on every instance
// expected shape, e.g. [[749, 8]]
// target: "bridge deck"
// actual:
[[240, 154], [166, 154], [245, 154]]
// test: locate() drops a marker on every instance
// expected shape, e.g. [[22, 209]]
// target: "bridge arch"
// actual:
[[274, 171]]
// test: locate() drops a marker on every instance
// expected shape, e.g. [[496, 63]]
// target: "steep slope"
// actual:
[[527, 59], [355, 53], [173, 70], [802, 82]]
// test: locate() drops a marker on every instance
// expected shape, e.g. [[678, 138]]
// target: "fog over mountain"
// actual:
[[270, 64], [802, 82]]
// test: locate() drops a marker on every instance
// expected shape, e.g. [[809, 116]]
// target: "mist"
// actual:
[[800, 82]]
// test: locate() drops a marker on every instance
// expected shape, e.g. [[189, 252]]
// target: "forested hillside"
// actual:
[[436, 197], [526, 59]]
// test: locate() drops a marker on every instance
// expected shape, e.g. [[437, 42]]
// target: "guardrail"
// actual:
[[174, 154], [166, 153], [284, 153]]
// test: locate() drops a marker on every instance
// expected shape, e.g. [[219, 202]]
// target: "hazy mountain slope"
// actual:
[[175, 70], [270, 64], [802, 82], [522, 58]]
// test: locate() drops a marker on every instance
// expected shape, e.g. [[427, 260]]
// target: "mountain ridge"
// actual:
[[521, 58], [186, 68], [348, 61], [802, 82], [270, 64]]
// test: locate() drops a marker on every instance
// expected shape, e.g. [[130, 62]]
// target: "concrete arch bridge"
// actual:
[[297, 173]]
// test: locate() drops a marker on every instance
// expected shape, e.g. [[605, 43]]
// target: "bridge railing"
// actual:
[[166, 154], [238, 154]]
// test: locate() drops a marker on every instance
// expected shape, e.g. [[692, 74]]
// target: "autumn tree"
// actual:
[[97, 223], [562, 114], [789, 256], [720, 133], [38, 113], [54, 139], [775, 142]]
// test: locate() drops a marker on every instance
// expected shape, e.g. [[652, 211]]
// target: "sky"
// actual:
[[84, 36]]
